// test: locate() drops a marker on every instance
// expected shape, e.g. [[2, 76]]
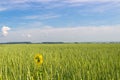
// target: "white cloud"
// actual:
[[5, 30], [71, 34], [27, 35]]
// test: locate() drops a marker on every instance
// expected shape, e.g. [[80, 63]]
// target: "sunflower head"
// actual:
[[38, 59]]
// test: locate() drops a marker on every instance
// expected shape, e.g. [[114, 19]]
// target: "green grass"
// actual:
[[61, 62]]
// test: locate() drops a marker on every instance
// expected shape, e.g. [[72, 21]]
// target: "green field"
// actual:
[[60, 62]]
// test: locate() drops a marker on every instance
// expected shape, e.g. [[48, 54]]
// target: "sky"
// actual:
[[59, 20]]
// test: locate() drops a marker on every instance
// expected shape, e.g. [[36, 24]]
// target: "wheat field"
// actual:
[[60, 62]]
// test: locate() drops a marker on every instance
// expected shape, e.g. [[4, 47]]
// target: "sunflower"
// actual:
[[38, 59]]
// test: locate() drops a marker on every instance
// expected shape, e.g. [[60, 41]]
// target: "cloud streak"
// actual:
[[42, 17], [80, 1], [29, 4], [2, 9]]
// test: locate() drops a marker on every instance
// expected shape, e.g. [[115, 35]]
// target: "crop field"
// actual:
[[60, 62]]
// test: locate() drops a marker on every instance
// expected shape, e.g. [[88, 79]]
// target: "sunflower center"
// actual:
[[38, 59]]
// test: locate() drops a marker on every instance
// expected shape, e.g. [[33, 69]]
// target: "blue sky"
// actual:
[[59, 20]]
